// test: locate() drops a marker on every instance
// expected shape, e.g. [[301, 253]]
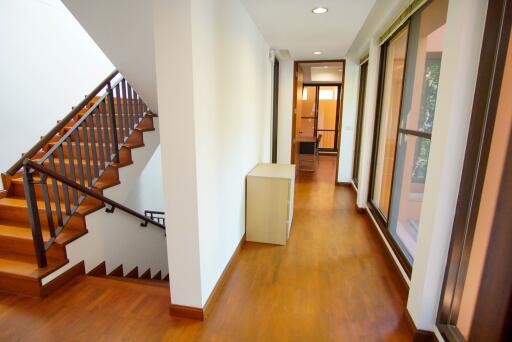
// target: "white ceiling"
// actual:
[[290, 25]]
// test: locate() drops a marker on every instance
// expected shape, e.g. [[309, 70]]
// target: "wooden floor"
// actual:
[[331, 282]]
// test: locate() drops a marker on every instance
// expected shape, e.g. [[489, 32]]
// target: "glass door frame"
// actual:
[[380, 218], [338, 113]]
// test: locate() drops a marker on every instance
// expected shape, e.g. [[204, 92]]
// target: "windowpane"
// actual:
[[390, 111], [411, 171], [419, 102], [307, 110], [424, 66]]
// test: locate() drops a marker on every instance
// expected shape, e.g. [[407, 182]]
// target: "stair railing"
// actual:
[[158, 216], [75, 162]]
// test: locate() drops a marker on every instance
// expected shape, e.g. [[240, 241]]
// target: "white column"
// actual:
[[370, 102], [173, 57], [348, 121], [463, 38]]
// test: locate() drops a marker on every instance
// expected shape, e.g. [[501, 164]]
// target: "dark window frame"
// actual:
[[495, 284], [359, 122], [382, 221]]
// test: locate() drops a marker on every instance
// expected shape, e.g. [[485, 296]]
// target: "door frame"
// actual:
[[275, 110], [294, 107], [338, 112]]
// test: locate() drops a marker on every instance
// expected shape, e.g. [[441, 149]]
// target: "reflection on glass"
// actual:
[[390, 111], [307, 112], [418, 107], [412, 161], [326, 123]]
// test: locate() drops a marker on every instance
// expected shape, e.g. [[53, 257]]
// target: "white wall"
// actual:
[[285, 112], [220, 103], [231, 106], [123, 29], [348, 121], [174, 67], [48, 63], [148, 191]]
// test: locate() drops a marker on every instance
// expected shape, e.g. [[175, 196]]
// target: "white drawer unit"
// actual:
[[269, 206]]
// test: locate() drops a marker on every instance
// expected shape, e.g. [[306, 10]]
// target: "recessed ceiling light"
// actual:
[[319, 10], [317, 53]]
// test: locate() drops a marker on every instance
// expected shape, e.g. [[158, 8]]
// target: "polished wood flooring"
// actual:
[[332, 282]]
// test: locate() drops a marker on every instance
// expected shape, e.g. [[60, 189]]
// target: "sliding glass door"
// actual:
[[319, 115], [359, 125], [410, 69]]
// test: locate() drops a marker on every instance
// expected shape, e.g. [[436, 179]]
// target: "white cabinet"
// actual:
[[269, 206]]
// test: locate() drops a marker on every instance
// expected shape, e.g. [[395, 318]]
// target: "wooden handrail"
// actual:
[[28, 163], [60, 125]]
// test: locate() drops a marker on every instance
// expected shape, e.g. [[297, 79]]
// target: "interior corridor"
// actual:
[[332, 282]]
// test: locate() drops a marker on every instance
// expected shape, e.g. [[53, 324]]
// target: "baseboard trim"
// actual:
[[419, 335], [186, 312], [202, 313], [99, 271], [343, 183], [389, 256], [223, 278], [62, 279]]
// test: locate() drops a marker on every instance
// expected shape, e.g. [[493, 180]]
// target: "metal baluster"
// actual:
[[119, 117], [130, 107], [56, 195], [64, 186], [125, 110], [113, 126], [78, 150], [136, 105], [47, 204], [72, 170], [144, 107], [141, 109], [100, 140], [33, 216], [104, 129], [88, 169], [93, 146]]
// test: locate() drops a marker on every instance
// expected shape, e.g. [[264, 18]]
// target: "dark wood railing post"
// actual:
[[33, 216], [113, 125]]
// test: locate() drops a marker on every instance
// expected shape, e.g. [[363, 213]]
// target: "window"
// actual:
[[410, 70], [394, 62], [359, 124]]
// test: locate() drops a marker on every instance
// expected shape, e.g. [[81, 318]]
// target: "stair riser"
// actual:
[[26, 247], [20, 286], [20, 215], [135, 138], [124, 153], [110, 176], [131, 120]]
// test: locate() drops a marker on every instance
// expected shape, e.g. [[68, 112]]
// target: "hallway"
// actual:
[[332, 282]]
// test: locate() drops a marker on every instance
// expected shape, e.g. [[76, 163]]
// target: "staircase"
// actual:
[[61, 180]]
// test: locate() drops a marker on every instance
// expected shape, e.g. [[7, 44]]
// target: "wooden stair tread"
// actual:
[[100, 184], [24, 232], [20, 202], [24, 266]]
